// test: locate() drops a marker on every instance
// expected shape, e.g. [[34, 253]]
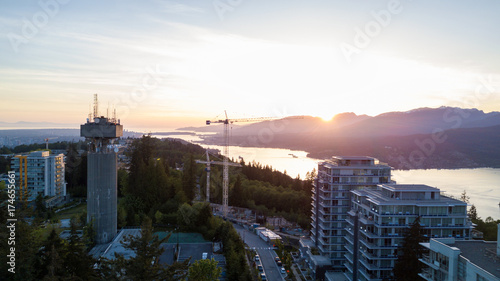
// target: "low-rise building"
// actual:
[[449, 259]]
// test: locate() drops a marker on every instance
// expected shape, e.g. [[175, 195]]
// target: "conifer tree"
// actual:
[[408, 266]]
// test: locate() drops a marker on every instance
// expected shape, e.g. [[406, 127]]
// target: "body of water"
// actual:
[[482, 185], [294, 162]]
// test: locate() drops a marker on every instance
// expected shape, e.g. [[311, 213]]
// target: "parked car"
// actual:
[[283, 270], [260, 268], [257, 258], [263, 277]]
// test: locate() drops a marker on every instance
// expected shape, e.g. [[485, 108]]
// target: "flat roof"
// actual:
[[354, 158], [480, 253], [335, 165], [376, 197], [319, 260], [409, 187], [337, 276]]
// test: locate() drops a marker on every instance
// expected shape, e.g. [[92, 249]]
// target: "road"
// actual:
[[266, 254]]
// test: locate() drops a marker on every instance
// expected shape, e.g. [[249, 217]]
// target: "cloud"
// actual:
[[172, 7]]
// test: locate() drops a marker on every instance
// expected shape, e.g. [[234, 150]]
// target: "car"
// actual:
[[279, 263], [260, 268], [257, 258], [283, 270], [263, 277], [276, 259]]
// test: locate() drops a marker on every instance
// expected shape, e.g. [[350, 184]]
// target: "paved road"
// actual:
[[266, 255]]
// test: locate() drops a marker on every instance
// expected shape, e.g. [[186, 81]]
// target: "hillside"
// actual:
[[464, 138]]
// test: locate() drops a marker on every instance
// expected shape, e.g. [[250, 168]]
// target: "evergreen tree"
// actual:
[[78, 263], [408, 266], [204, 270], [189, 178], [145, 264], [51, 256], [472, 213], [237, 196]]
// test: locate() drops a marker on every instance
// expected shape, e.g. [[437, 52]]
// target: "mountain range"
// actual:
[[444, 137]]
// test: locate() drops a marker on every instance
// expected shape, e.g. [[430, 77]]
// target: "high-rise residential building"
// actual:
[[39, 172], [331, 201], [379, 218]]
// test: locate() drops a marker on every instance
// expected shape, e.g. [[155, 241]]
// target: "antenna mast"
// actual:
[[96, 106]]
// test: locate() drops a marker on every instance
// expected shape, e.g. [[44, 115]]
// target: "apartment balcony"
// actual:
[[374, 246], [426, 274], [348, 266], [367, 220], [369, 234], [349, 239], [369, 276], [328, 212], [368, 265], [326, 205], [349, 258], [445, 226], [327, 226], [434, 264], [330, 220], [391, 225], [349, 248], [374, 257], [330, 243], [396, 214]]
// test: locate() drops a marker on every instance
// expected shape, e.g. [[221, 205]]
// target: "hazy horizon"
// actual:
[[171, 64]]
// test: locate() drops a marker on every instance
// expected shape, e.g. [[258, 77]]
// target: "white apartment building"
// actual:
[[40, 172], [451, 260], [337, 177], [379, 218]]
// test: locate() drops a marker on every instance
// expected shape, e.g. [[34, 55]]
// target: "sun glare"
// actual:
[[326, 117]]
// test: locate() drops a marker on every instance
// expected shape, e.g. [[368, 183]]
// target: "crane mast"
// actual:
[[225, 150], [208, 163]]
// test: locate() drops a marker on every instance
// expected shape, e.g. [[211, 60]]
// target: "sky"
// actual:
[[169, 64]]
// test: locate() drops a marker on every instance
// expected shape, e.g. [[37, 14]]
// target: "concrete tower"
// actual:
[[100, 132]]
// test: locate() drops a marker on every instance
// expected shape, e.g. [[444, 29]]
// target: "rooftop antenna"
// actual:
[[114, 114], [96, 107], [107, 111]]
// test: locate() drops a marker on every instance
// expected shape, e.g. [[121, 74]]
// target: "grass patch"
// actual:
[[73, 212]]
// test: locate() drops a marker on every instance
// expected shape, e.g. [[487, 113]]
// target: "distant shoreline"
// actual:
[[173, 133]]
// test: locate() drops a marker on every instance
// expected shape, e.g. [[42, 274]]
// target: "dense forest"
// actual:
[[152, 191]]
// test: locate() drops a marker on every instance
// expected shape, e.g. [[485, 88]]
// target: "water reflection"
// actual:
[[482, 185]]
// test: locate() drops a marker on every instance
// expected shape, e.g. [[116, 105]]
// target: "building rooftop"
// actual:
[[319, 260], [187, 248], [331, 164], [409, 187], [354, 158], [376, 197], [480, 253], [336, 276]]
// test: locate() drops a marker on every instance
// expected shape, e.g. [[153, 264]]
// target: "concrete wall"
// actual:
[[451, 252], [102, 194], [473, 271]]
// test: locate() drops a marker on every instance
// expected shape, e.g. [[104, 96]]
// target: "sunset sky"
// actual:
[[166, 64]]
